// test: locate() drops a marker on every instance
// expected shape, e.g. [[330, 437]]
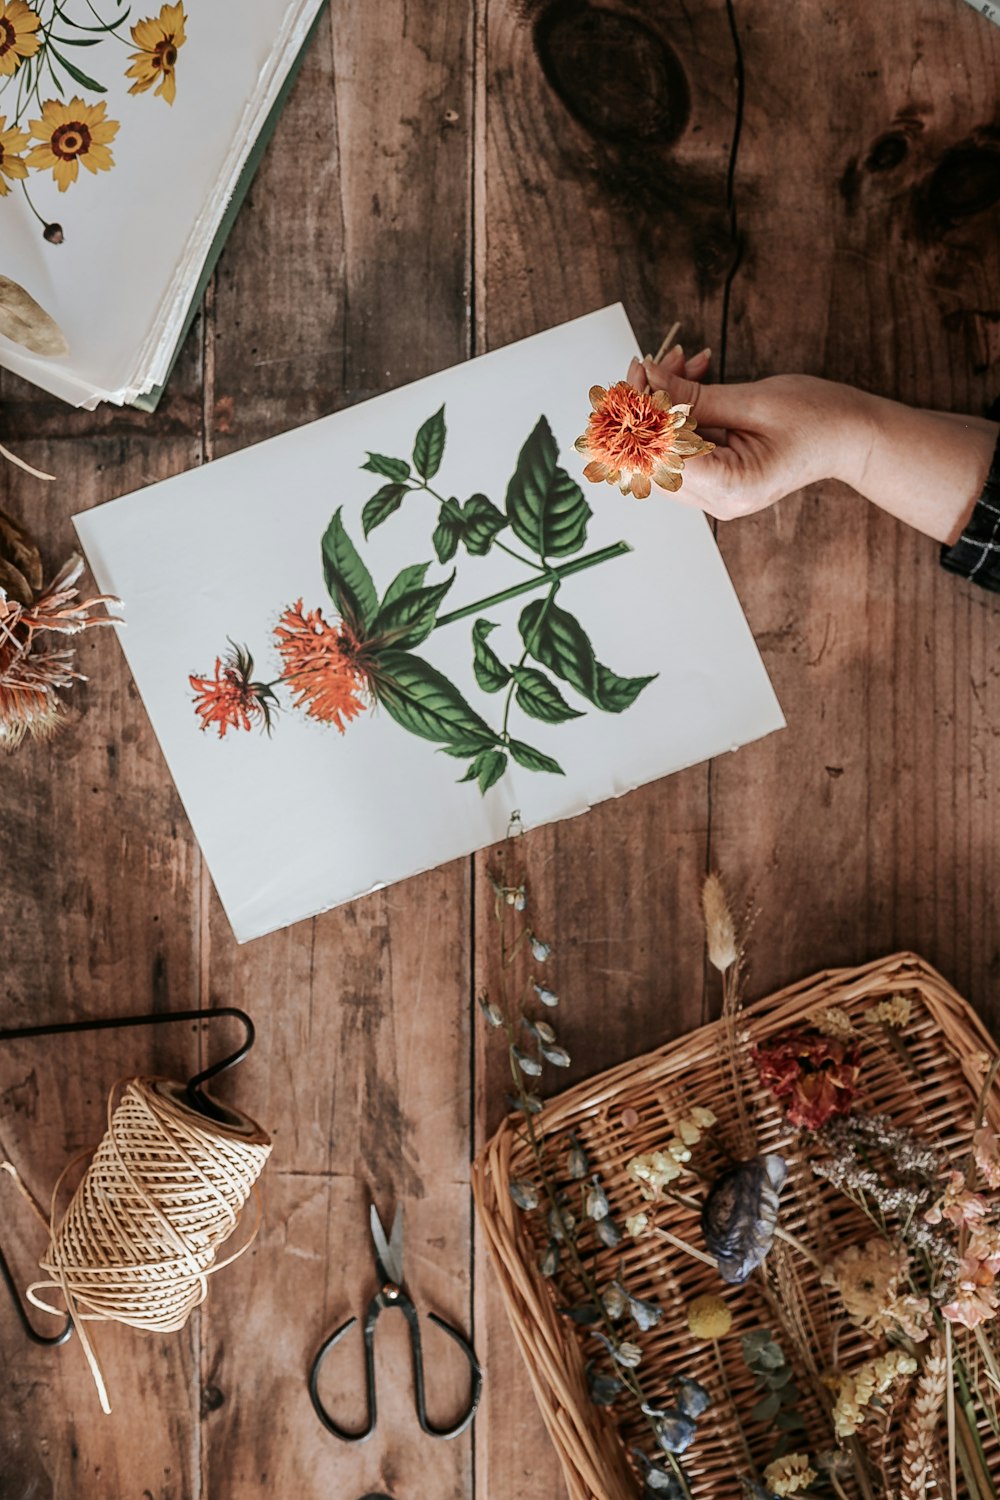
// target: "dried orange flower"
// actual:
[[229, 699], [637, 438], [322, 665]]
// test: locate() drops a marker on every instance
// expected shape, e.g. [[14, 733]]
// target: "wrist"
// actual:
[[854, 421]]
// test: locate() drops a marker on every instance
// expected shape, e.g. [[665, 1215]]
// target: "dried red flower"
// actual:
[[322, 665], [229, 699], [814, 1076]]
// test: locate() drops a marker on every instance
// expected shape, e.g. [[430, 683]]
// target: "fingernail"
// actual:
[[705, 353], [676, 351]]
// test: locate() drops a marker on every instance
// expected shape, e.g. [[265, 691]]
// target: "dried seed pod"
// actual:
[[577, 1165], [604, 1389], [558, 1056], [549, 1263], [541, 1029], [645, 1315], [740, 1214], [546, 996], [490, 1010], [540, 951], [526, 1062], [597, 1205], [561, 1222], [524, 1193], [529, 1105], [674, 1431], [692, 1397], [608, 1232], [615, 1300]]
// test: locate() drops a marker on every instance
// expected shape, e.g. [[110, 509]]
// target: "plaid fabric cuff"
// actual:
[[976, 554]]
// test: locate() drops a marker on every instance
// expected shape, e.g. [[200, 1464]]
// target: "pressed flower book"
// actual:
[[127, 137], [407, 621]]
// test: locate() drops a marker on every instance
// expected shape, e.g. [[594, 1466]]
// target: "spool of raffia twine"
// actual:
[[164, 1190]]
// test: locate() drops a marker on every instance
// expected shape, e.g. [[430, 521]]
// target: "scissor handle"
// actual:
[[314, 1396], [418, 1375], [399, 1300]]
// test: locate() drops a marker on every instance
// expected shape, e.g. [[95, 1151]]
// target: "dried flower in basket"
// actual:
[[740, 1215], [31, 671], [636, 439], [813, 1075]]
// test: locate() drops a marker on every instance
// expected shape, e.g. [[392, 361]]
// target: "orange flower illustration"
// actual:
[[636, 438], [159, 38], [69, 134], [230, 699], [18, 35], [12, 143], [322, 666]]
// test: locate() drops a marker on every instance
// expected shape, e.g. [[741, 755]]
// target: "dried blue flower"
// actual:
[[645, 1315], [674, 1431], [608, 1233], [604, 1389], [659, 1483], [524, 1194], [540, 951], [624, 1353], [546, 996], [529, 1105], [490, 1010], [541, 1029], [615, 1299], [740, 1214], [526, 1062], [598, 1206], [577, 1164], [557, 1056], [692, 1397], [549, 1263]]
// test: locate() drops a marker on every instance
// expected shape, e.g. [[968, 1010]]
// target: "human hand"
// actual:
[[772, 436]]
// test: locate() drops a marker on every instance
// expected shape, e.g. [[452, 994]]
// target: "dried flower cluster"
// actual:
[[636, 439], [32, 670]]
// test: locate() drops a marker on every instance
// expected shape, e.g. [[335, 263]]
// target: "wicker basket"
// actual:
[[934, 1089]]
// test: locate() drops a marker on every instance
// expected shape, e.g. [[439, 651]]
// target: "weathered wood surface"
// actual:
[[447, 178]]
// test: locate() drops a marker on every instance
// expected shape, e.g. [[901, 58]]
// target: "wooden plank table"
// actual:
[[448, 177]]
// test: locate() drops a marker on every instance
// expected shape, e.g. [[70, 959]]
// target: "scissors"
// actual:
[[389, 1267]]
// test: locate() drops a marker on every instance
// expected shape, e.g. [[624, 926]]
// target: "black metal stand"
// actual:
[[193, 1094]]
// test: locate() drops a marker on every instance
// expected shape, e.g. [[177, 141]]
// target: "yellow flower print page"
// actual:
[[123, 131], [407, 621]]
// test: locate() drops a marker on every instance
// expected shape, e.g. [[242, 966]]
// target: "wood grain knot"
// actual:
[[966, 181], [887, 152], [614, 74]]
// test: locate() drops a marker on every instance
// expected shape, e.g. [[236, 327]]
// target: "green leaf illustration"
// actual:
[[347, 578], [482, 523], [404, 583], [546, 507], [491, 674], [558, 640], [389, 468], [77, 74], [409, 618], [533, 760], [539, 697], [449, 530], [424, 702], [487, 768], [428, 449], [381, 506]]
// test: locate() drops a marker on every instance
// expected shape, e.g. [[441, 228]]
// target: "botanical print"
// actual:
[[365, 654], [46, 123]]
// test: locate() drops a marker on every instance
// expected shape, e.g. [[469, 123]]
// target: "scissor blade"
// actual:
[[389, 1252]]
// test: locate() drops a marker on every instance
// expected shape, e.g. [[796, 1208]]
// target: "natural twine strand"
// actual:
[[138, 1241]]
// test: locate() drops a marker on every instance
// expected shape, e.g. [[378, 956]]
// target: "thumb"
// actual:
[[711, 405]]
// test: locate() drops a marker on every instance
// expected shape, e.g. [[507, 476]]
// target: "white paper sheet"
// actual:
[[309, 818], [137, 236]]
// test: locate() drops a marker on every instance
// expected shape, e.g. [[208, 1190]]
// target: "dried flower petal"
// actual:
[[546, 996], [814, 1076], [577, 1165], [549, 1263], [894, 1012], [674, 1431], [557, 1056], [540, 951], [692, 1397], [740, 1214], [490, 1010], [635, 437], [788, 1475], [637, 1224], [608, 1232], [526, 1062], [615, 1300], [645, 1315], [604, 1389]]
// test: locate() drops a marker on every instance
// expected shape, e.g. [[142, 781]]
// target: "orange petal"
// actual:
[[595, 472], [666, 479], [598, 396], [582, 445], [641, 486]]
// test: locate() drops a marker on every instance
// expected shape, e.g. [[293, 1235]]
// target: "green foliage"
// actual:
[[533, 760], [546, 507], [382, 505], [539, 696], [409, 617], [348, 580], [778, 1395], [428, 449], [487, 768], [556, 638], [491, 674], [389, 468], [424, 702]]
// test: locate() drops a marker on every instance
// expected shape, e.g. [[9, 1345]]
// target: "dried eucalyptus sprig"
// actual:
[[568, 1195]]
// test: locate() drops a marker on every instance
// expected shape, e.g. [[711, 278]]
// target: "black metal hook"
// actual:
[[194, 1096]]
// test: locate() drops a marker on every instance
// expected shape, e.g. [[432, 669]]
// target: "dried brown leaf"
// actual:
[[25, 322], [17, 547], [14, 583]]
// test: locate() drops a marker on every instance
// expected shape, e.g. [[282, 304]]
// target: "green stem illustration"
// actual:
[[564, 570], [504, 735], [500, 546]]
